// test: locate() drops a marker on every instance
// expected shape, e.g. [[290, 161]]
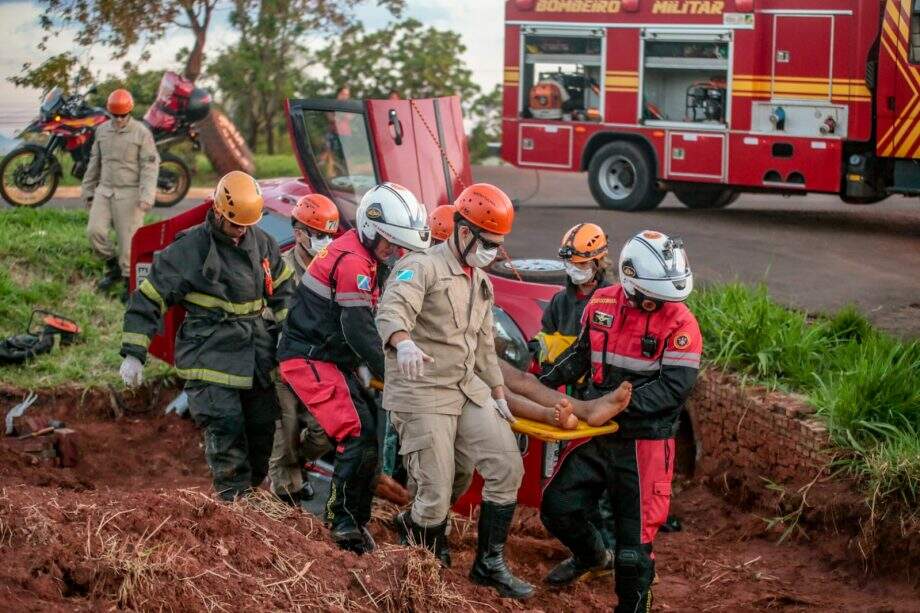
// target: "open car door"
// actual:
[[345, 147]]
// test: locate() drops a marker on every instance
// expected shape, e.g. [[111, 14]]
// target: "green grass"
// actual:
[[864, 383], [48, 264]]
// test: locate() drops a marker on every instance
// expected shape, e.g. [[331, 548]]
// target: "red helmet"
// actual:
[[486, 207], [317, 212], [441, 222], [120, 102]]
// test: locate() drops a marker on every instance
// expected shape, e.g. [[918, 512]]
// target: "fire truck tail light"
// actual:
[[744, 6], [631, 6], [658, 134]]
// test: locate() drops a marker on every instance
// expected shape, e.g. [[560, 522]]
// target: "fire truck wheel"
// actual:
[[534, 270], [701, 197], [621, 178], [224, 145]]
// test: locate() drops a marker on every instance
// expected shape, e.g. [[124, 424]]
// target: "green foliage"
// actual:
[[267, 167], [414, 61], [62, 70], [48, 264], [865, 383], [486, 113]]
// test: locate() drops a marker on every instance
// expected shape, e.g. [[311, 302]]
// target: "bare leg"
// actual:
[[596, 412], [561, 415]]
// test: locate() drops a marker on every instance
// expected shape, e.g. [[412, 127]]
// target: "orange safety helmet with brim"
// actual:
[[486, 207], [238, 199], [120, 102], [583, 243], [317, 212], [441, 222]]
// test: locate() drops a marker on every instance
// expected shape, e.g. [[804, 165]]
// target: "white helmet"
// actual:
[[391, 211], [652, 265]]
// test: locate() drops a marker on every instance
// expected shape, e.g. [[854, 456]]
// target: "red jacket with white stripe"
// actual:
[[610, 349], [331, 318]]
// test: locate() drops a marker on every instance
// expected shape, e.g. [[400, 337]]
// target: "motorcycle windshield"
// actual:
[[51, 100]]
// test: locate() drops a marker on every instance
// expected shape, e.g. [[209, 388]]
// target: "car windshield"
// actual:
[[279, 228], [339, 143], [52, 99]]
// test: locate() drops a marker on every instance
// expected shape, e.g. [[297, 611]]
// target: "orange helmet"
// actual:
[[318, 212], [238, 198], [583, 243], [120, 102], [486, 207], [441, 222]]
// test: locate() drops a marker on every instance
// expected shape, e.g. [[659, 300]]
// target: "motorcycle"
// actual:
[[31, 173]]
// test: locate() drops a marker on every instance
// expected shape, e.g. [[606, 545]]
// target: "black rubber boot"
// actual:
[[111, 276], [432, 538], [571, 571], [635, 571], [490, 568], [350, 538], [123, 296]]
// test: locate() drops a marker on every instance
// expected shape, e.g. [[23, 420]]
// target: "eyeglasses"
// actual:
[[485, 242], [122, 116]]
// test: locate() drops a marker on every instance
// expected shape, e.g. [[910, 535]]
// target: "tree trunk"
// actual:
[[196, 57], [270, 133]]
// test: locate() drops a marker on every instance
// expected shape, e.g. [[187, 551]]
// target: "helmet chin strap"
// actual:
[[463, 252]]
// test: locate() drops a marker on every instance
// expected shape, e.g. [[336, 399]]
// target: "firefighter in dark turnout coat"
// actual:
[[224, 272], [640, 332]]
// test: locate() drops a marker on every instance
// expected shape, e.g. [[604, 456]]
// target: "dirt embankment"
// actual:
[[133, 526]]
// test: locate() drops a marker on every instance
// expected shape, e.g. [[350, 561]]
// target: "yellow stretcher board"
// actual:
[[546, 432]]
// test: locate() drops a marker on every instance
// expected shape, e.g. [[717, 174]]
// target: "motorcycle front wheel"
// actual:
[[24, 185], [173, 180]]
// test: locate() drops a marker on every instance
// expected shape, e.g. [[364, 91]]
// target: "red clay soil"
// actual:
[[133, 526]]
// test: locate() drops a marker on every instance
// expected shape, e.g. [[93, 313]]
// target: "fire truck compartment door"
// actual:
[[696, 156], [545, 145], [802, 54]]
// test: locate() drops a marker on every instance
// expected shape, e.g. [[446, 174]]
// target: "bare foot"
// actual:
[[563, 415], [615, 402]]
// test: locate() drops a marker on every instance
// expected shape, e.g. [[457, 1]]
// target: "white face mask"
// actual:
[[578, 275], [318, 244], [481, 257]]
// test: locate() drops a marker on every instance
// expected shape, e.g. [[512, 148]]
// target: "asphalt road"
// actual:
[[813, 252]]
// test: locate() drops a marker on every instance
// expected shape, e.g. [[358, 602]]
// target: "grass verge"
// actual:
[[866, 384], [48, 264]]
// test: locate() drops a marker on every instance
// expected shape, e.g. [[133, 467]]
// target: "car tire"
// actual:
[[224, 145], [532, 270], [704, 197], [621, 178]]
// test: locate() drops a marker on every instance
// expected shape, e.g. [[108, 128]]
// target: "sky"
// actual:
[[479, 22]]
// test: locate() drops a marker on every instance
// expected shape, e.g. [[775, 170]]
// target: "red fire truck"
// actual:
[[709, 99]]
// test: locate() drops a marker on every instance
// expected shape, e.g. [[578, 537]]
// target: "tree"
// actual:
[[486, 114], [62, 70], [120, 25], [269, 62], [415, 61]]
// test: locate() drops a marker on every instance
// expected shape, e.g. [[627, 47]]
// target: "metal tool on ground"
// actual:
[[18, 410]]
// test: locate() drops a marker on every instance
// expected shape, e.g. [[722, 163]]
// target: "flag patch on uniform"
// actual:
[[364, 283], [405, 275], [602, 319]]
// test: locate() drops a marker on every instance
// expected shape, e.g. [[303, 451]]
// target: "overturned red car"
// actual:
[[344, 148]]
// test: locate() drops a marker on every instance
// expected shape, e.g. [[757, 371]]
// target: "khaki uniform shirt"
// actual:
[[292, 258], [449, 316], [122, 160]]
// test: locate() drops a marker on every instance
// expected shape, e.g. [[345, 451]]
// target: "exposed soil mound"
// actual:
[[133, 526]]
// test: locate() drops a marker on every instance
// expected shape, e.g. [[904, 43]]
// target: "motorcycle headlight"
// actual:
[[510, 344]]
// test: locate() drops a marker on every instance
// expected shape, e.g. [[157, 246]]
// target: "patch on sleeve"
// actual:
[[602, 319], [364, 283], [682, 340], [404, 275]]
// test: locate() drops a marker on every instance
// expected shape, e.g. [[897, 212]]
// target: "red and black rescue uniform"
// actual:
[[659, 353], [328, 333]]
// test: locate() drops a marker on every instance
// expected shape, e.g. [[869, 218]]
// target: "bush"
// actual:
[[865, 383]]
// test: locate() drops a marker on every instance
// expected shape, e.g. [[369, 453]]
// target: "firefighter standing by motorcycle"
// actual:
[[329, 334], [119, 186], [223, 272], [639, 331]]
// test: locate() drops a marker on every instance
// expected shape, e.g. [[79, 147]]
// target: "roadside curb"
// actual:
[[73, 191]]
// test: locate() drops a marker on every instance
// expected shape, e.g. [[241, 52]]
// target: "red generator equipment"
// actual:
[[709, 99]]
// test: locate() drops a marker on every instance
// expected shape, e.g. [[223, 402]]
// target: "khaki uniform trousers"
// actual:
[[440, 452], [298, 439], [119, 208]]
